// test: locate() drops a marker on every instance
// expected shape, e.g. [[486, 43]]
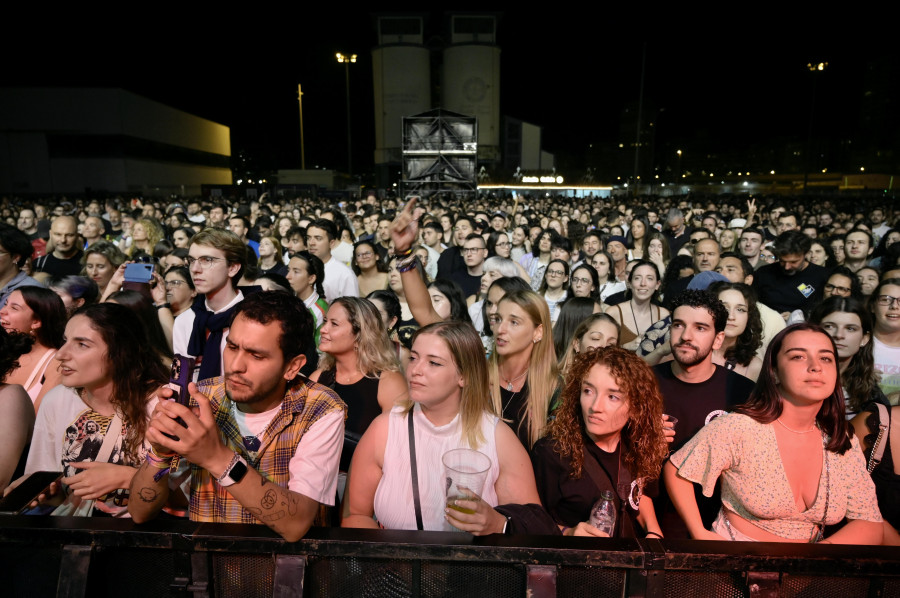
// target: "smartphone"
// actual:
[[139, 272], [181, 374], [20, 498]]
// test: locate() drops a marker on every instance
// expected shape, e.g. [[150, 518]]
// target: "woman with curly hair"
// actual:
[[16, 410], [145, 234], [607, 435], [107, 400], [743, 331]]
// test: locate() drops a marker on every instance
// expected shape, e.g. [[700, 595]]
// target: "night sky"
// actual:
[[730, 83]]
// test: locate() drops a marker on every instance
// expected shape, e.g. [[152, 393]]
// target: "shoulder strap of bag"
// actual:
[[414, 470]]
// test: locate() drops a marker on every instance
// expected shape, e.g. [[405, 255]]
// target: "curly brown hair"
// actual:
[[643, 444]]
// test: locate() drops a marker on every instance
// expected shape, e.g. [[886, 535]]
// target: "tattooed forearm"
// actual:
[[148, 494]]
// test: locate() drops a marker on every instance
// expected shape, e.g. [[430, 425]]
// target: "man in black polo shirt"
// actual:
[[792, 282], [65, 260], [694, 389]]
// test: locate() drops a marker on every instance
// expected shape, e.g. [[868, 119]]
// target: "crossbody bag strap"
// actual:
[[884, 421], [414, 470]]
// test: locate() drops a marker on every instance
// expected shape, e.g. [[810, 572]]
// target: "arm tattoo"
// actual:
[[148, 494]]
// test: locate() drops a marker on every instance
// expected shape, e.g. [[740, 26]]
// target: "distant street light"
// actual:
[[346, 60]]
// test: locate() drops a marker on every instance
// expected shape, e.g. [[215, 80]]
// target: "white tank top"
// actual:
[[394, 507]]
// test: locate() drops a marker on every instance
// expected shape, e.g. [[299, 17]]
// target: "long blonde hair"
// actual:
[[468, 356], [543, 372], [374, 352]]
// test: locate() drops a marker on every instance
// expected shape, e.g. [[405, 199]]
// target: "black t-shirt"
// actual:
[[54, 266], [469, 284], [569, 501], [787, 293], [695, 405]]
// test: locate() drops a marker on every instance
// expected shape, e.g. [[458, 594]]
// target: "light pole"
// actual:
[[346, 60], [814, 68], [302, 146]]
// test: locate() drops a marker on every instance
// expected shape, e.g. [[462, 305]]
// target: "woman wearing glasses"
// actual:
[[370, 270], [885, 304], [553, 287]]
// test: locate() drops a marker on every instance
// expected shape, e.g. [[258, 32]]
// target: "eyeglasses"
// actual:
[[205, 261], [174, 284], [555, 273], [887, 301], [581, 281], [503, 244], [364, 255], [468, 250], [837, 290]]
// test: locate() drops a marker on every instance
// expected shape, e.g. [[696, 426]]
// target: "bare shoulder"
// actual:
[[391, 390], [315, 375]]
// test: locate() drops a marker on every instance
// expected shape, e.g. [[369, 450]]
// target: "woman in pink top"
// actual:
[[787, 459]]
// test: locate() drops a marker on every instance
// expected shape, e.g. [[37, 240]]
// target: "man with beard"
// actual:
[[264, 443], [793, 282], [694, 389]]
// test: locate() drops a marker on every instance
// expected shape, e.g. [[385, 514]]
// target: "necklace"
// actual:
[[813, 429], [637, 328], [509, 383]]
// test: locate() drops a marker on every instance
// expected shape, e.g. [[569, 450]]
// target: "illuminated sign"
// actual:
[[544, 179]]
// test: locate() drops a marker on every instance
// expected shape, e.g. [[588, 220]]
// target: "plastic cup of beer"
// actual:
[[465, 472]]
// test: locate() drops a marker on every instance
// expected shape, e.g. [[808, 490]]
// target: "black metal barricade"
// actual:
[[74, 557]]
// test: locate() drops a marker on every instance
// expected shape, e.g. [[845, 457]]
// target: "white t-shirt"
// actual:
[[67, 430], [887, 361], [340, 281], [184, 325], [314, 466]]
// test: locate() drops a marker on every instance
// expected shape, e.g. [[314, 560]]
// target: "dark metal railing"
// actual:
[[72, 557]]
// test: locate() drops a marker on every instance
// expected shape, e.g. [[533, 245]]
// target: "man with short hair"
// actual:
[[676, 231], [340, 281], [590, 245], [92, 230], [65, 259], [216, 260], [217, 216], [857, 249], [879, 227], [474, 252], [793, 282], [771, 229], [240, 226], [14, 250], [451, 259], [264, 443], [706, 255], [750, 246], [27, 223], [694, 389], [618, 251], [787, 221]]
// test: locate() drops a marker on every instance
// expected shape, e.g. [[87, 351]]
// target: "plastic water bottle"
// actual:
[[603, 513]]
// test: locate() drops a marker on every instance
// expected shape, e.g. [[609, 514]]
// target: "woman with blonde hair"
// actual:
[[607, 436], [145, 234], [360, 364], [524, 376], [449, 407]]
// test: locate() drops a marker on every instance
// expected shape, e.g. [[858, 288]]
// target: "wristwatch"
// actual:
[[235, 471]]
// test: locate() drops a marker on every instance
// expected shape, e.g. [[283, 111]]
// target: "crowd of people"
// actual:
[[724, 371]]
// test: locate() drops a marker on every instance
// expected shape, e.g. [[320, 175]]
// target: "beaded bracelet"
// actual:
[[404, 254], [407, 264]]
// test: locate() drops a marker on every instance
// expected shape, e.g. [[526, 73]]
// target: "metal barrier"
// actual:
[[73, 557]]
